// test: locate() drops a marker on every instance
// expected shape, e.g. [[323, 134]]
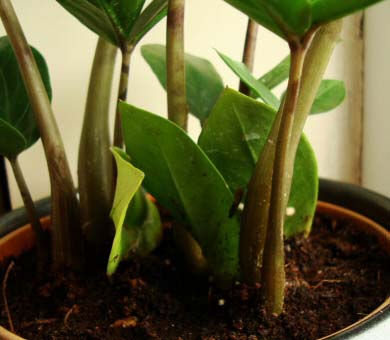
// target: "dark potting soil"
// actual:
[[334, 278]]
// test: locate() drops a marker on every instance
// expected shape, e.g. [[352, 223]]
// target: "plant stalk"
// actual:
[[254, 219], [273, 274], [249, 52], [178, 113], [316, 62], [66, 231], [96, 164], [176, 77], [40, 236], [126, 50]]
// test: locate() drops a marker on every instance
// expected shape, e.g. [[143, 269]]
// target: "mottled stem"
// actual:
[[96, 165], [176, 78], [122, 92], [249, 51], [66, 231], [178, 113]]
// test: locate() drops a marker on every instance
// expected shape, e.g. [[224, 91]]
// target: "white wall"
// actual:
[[376, 155], [69, 47]]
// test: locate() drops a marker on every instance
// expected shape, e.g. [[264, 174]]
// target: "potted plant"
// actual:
[[230, 200]]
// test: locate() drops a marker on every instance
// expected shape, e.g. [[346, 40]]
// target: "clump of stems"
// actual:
[[261, 245]]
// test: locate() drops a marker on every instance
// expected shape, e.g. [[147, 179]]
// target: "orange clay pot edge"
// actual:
[[19, 241], [22, 240]]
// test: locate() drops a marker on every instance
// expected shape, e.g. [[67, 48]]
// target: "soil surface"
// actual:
[[335, 278]]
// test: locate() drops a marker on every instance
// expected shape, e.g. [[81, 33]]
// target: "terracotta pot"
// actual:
[[375, 326]]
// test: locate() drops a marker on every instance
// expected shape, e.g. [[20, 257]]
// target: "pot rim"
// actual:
[[23, 239]]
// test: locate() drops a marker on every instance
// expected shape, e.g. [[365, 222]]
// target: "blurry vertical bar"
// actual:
[[5, 202]]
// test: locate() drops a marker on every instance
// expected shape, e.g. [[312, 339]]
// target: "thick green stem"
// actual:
[[96, 165], [66, 231], [316, 61], [40, 236], [273, 274], [126, 50], [249, 51], [176, 78], [254, 219]]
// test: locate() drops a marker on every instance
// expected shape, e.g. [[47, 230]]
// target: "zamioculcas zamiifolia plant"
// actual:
[[234, 195]]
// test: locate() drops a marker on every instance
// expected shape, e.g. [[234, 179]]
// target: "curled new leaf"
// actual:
[[18, 129], [137, 220]]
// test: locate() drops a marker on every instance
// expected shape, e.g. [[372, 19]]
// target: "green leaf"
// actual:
[[123, 14], [283, 17], [233, 138], [330, 95], [137, 220], [152, 14], [256, 86], [183, 180], [204, 84], [329, 10], [114, 20], [277, 75], [91, 14], [18, 130]]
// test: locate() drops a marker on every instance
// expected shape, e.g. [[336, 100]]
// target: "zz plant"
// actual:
[[249, 181]]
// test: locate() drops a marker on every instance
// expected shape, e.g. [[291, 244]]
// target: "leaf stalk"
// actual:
[[249, 52], [95, 164]]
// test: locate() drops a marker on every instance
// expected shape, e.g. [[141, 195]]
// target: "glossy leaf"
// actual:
[[204, 84], [137, 220], [152, 14], [256, 86], [233, 137], [18, 130], [283, 17], [122, 14], [277, 75], [329, 10], [330, 95], [183, 180], [91, 14], [118, 21]]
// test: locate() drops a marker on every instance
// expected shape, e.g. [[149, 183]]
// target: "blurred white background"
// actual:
[[69, 47]]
